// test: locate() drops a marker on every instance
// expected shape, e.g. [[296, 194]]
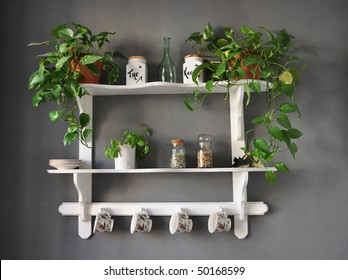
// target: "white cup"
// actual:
[[219, 222], [141, 222], [180, 222], [103, 222]]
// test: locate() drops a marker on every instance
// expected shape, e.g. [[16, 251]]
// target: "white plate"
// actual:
[[62, 164]]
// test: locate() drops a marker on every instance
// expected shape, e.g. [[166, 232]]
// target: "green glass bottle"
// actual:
[[167, 70]]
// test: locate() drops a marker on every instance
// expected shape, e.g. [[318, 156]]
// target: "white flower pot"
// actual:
[[126, 158]]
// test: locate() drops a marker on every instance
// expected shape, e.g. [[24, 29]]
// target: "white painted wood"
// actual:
[[156, 88], [163, 208], [240, 208], [83, 185], [161, 170]]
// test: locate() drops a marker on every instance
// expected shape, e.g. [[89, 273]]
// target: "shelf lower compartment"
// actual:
[[160, 170]]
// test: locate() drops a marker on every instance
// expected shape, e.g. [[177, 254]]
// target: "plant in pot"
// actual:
[[229, 59], [76, 54], [132, 146]]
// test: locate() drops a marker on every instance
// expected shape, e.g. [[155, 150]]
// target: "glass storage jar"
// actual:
[[178, 154], [205, 152]]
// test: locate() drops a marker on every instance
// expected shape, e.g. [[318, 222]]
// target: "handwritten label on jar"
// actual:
[[191, 62], [136, 71]]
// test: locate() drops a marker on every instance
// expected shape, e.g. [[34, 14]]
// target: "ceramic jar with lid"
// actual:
[[190, 64], [136, 70]]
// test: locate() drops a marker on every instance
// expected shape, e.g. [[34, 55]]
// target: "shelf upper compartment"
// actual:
[[161, 170], [156, 88]]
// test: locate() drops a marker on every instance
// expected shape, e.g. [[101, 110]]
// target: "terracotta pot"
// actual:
[[88, 76], [247, 69]]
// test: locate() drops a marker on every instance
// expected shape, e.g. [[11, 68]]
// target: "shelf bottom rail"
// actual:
[[162, 208]]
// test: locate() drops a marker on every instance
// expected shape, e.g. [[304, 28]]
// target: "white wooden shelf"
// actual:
[[162, 88], [159, 170], [238, 206]]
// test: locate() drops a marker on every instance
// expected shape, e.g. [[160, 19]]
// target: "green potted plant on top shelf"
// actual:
[[76, 56], [132, 146], [230, 58]]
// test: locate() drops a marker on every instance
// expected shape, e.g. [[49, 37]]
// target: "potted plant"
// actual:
[[229, 58], [60, 72], [132, 145]]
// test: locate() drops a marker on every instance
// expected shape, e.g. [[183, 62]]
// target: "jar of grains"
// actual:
[[178, 154], [205, 153]]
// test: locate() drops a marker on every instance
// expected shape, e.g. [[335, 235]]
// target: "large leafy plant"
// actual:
[[57, 78], [226, 57]]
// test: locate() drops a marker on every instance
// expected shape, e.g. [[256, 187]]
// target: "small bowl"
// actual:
[[62, 164]]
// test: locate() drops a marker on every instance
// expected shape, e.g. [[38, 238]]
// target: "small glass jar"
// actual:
[[191, 63], [178, 154], [205, 153], [136, 70]]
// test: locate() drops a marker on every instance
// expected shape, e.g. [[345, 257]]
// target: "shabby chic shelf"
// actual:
[[239, 207]]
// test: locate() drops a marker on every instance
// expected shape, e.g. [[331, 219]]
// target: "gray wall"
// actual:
[[308, 207]]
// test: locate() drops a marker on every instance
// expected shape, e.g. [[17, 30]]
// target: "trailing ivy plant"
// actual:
[[231, 57], [135, 139], [57, 78]]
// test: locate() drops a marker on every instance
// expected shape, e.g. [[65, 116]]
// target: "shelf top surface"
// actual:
[[156, 88], [159, 170]]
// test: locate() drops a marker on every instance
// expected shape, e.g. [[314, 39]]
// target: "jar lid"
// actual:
[[136, 57], [192, 55], [204, 138], [177, 141]]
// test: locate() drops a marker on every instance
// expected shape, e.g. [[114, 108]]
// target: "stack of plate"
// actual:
[[62, 164]]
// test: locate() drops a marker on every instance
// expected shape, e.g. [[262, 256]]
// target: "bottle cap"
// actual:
[[192, 55], [137, 57], [177, 141]]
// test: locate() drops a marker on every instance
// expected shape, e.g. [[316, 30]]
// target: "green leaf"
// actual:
[[247, 89], [255, 86], [208, 33], [84, 119], [293, 149], [221, 69], [261, 145], [88, 59], [87, 132], [288, 108], [209, 85], [34, 79], [187, 103], [284, 121], [270, 176], [62, 61], [120, 55], [294, 133], [197, 71], [281, 167], [54, 115], [286, 137], [93, 69], [251, 60], [37, 99], [71, 88], [69, 137], [258, 120], [276, 133], [229, 33], [65, 33], [295, 75]]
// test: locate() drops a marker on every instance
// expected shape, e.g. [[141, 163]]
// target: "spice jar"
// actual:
[[205, 153], [136, 70], [178, 154], [191, 63]]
